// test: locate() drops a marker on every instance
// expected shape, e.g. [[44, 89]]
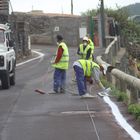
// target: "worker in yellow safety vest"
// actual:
[[87, 68], [85, 51], [60, 63]]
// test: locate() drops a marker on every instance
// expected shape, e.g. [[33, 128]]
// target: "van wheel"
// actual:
[[5, 80], [12, 78]]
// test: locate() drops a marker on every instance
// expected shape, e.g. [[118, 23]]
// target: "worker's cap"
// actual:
[[59, 37], [85, 38]]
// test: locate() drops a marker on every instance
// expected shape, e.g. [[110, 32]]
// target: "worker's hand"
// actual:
[[89, 79]]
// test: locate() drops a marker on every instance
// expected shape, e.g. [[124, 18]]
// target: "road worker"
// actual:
[[85, 51], [60, 63], [87, 68]]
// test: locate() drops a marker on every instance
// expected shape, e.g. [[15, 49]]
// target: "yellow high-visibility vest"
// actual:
[[87, 66], [64, 61], [84, 51]]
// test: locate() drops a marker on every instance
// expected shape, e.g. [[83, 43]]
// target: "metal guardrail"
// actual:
[[125, 82]]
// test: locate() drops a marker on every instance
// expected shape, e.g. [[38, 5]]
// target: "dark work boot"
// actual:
[[62, 90]]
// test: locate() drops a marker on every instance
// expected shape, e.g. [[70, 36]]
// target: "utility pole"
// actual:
[[71, 7], [102, 23]]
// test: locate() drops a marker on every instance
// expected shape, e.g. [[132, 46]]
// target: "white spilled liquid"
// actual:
[[121, 120]]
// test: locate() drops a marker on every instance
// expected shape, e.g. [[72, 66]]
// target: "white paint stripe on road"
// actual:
[[41, 55], [77, 112], [121, 120]]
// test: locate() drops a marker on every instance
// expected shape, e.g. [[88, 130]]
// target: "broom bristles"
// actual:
[[40, 91]]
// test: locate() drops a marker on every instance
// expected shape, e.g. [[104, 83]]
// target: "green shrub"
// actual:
[[139, 118], [135, 110], [121, 96]]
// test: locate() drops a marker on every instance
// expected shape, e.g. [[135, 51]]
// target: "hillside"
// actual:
[[133, 9]]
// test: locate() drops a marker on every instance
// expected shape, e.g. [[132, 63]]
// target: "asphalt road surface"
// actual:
[[28, 115]]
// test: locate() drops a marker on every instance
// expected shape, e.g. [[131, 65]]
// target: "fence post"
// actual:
[[133, 95]]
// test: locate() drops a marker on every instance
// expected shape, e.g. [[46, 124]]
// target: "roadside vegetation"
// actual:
[[120, 96], [133, 109]]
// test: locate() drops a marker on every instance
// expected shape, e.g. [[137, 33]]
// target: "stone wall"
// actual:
[[20, 35], [43, 28]]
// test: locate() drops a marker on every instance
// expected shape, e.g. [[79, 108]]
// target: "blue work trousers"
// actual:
[[81, 80], [59, 79]]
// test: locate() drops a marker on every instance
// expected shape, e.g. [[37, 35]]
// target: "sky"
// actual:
[[63, 6]]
